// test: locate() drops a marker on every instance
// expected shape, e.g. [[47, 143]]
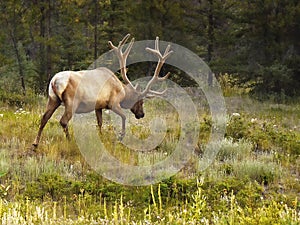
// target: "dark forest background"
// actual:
[[255, 41]]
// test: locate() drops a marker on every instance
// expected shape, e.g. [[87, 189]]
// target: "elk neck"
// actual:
[[130, 98]]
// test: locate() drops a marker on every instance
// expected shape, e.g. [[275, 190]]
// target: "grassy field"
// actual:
[[253, 180]]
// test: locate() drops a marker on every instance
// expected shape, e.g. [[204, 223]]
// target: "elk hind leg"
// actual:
[[66, 117], [99, 118], [52, 105]]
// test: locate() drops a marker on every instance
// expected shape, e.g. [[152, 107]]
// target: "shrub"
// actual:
[[262, 172], [230, 150], [20, 100]]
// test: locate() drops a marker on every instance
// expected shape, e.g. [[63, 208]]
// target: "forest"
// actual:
[[251, 47], [256, 42]]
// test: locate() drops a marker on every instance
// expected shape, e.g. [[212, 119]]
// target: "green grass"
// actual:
[[254, 179]]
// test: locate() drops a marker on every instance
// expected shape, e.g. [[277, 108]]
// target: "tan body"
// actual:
[[88, 90], [89, 84]]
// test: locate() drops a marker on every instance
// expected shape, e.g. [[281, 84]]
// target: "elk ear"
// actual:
[[138, 88]]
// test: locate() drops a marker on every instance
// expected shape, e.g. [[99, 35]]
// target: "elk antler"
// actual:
[[161, 60], [122, 56]]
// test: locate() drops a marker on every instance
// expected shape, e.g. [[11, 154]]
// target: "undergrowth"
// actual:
[[253, 180]]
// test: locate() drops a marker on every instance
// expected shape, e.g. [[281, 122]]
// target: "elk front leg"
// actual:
[[118, 110], [99, 118], [52, 105]]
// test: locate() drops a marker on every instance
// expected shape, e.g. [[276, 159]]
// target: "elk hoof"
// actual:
[[34, 147], [121, 136]]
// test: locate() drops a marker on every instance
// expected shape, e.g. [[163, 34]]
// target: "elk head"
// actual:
[[134, 96]]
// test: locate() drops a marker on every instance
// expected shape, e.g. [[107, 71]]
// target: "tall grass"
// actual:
[[195, 211], [253, 180]]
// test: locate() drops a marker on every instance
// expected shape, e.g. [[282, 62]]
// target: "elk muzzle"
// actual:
[[139, 115], [138, 110]]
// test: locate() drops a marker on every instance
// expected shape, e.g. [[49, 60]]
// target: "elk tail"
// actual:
[[53, 91]]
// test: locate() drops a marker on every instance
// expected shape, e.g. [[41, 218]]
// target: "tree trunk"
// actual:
[[18, 56], [96, 33], [20, 65], [49, 49], [211, 36], [42, 54]]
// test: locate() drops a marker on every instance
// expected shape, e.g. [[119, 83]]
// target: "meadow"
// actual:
[[253, 180]]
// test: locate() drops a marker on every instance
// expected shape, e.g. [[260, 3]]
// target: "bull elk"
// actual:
[[88, 90]]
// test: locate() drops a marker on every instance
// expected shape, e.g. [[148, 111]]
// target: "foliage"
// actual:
[[254, 41], [265, 134], [253, 180], [196, 210]]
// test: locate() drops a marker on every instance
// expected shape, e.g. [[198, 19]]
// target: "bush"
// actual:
[[230, 150], [264, 134], [20, 100], [262, 172]]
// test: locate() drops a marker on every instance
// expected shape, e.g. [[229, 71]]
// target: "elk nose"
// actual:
[[139, 116]]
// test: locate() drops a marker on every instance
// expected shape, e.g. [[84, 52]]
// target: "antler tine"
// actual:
[[128, 49], [160, 56], [161, 61], [111, 45], [154, 51], [156, 93], [124, 40], [157, 44], [150, 93], [167, 52], [122, 56], [164, 77]]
